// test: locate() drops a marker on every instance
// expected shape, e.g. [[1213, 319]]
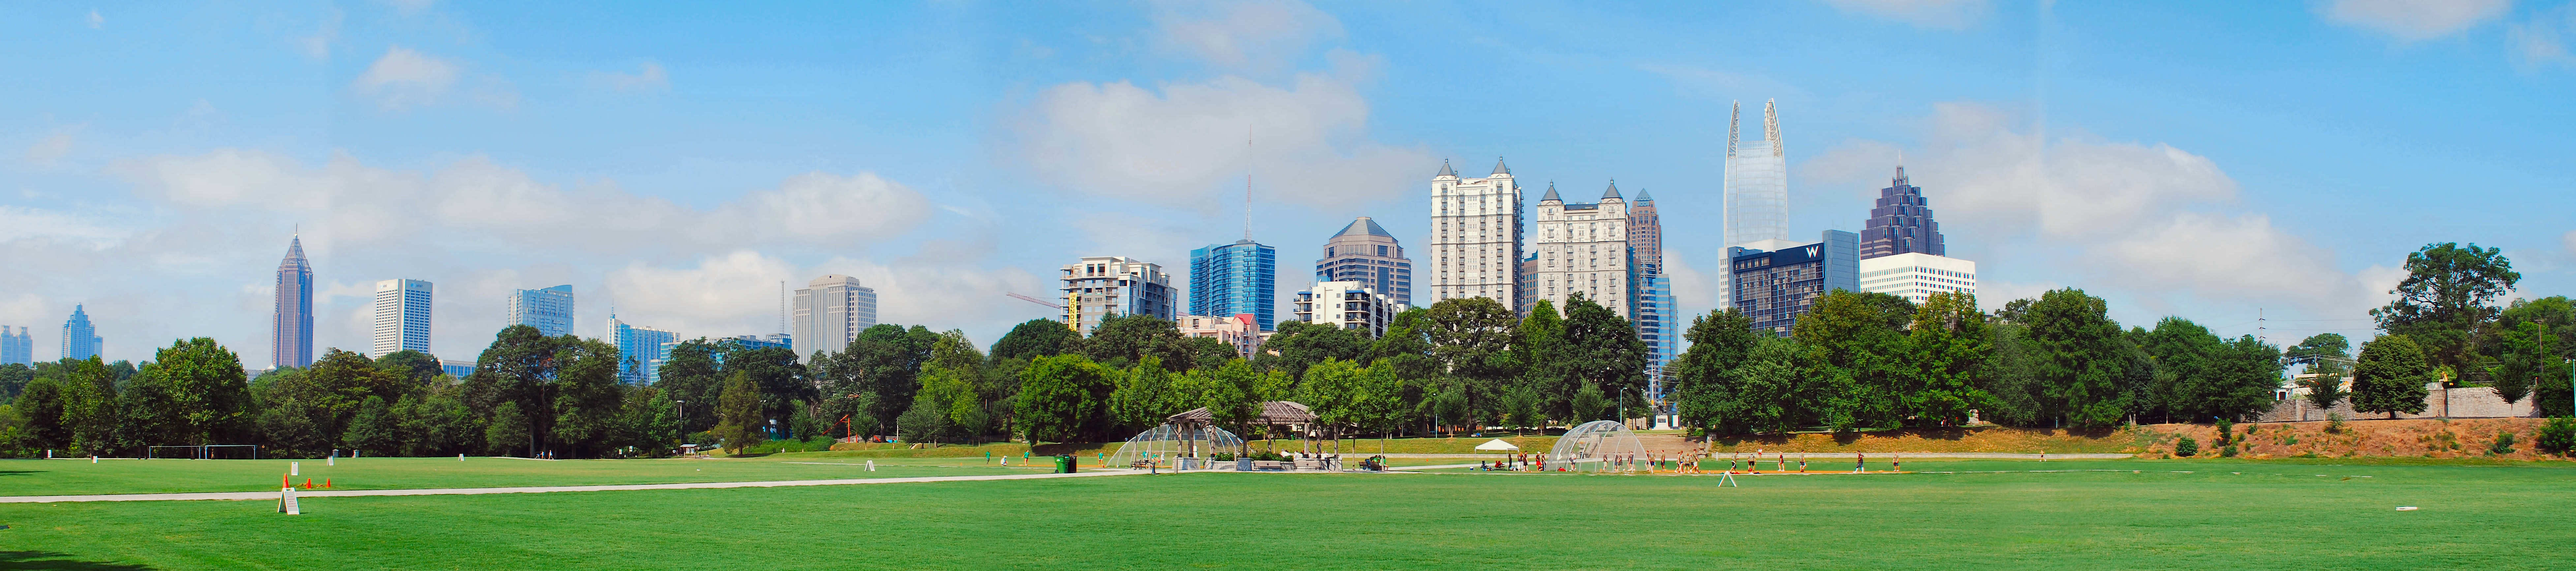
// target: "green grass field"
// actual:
[[70, 477], [1994, 514]]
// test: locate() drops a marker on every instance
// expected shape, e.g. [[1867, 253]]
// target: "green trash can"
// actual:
[[1064, 464]]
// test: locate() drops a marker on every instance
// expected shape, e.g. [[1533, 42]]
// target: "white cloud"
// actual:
[[50, 150], [737, 293], [821, 206], [23, 223], [2570, 240], [650, 78], [1942, 14], [96, 21], [405, 78], [365, 204], [1253, 34], [318, 45], [1187, 141], [2414, 20], [474, 227], [2542, 40], [2148, 221]]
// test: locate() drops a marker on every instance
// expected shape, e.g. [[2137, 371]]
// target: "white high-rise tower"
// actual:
[[1475, 236], [1757, 188], [1757, 181], [402, 317]]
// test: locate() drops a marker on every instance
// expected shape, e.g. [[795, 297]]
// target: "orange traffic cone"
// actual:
[[326, 483], [308, 483], [284, 482]]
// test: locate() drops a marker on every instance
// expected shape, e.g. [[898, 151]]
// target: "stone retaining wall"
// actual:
[[2463, 402]]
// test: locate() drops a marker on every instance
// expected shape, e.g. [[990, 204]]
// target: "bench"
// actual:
[[1268, 465], [1310, 464]]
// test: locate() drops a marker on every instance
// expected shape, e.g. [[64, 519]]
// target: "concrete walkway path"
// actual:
[[272, 496]]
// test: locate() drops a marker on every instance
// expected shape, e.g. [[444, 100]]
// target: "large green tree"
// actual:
[[1123, 340], [694, 378], [2078, 360], [2323, 355], [1475, 341], [2448, 292], [739, 421], [1037, 338], [1603, 350], [415, 366], [1298, 345], [1947, 348], [1856, 340], [1063, 398], [2390, 376], [214, 404], [1703, 393]]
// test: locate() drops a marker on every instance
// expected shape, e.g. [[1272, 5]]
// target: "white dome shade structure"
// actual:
[[1595, 446], [1168, 443]]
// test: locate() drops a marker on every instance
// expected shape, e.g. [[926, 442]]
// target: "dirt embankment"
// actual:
[[2429, 438], [2426, 438]]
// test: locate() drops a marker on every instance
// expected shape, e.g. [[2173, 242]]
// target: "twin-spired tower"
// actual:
[[1757, 186]]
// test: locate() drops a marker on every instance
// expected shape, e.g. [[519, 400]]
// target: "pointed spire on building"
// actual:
[[1644, 197], [1771, 125], [1499, 168], [1734, 127], [1551, 193], [1613, 192], [1900, 168], [1445, 170]]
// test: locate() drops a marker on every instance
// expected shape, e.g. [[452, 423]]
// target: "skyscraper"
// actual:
[[1901, 223], [17, 347], [1774, 287], [549, 310], [290, 341], [80, 339], [401, 318], [1583, 248], [1235, 279], [1100, 287], [1757, 184], [1475, 235], [830, 312], [637, 347], [1654, 314], [1757, 180], [1364, 252]]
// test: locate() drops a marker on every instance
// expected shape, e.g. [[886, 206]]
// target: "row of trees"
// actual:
[[1869, 360], [1854, 361]]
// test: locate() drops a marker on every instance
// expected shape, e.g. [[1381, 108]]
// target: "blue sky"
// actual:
[[2203, 160]]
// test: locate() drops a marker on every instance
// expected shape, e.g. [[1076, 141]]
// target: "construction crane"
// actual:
[[1035, 301]]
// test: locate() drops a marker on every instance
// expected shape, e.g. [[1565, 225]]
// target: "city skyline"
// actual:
[[491, 148]]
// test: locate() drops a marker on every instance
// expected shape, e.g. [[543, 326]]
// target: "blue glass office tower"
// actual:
[[549, 310], [1237, 278], [80, 339]]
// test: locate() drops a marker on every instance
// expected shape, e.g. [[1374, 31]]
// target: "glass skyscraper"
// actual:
[[637, 348], [1365, 252], [17, 347], [1757, 184], [549, 310], [1901, 223], [80, 338], [290, 342], [1237, 278], [401, 318]]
